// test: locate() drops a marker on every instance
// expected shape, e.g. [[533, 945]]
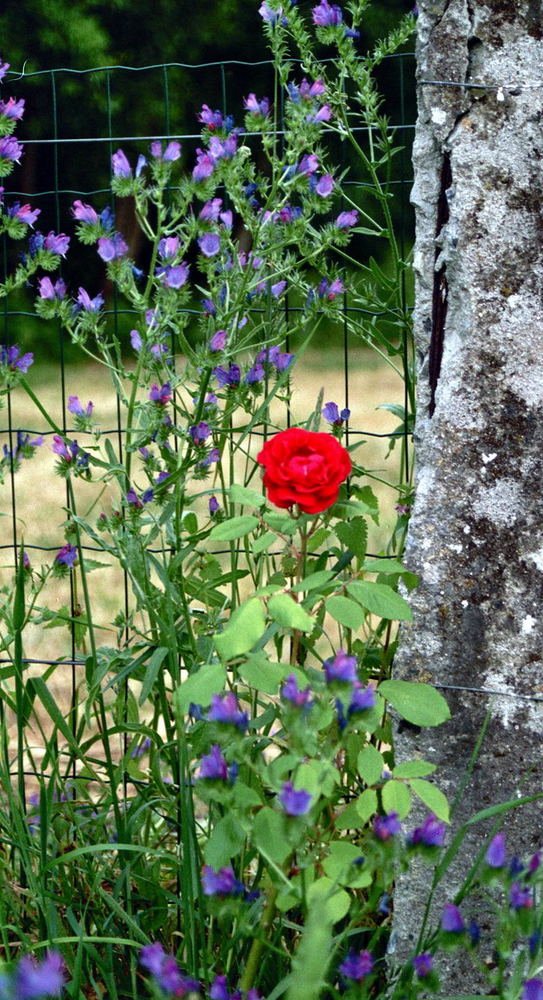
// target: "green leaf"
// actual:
[[354, 535], [259, 672], [380, 600], [311, 958], [384, 566], [225, 842], [289, 614], [234, 527], [314, 581], [245, 627], [413, 769], [339, 865], [396, 797], [263, 542], [246, 496], [370, 764], [349, 819], [366, 804], [199, 687], [348, 613], [419, 703], [152, 668], [432, 797], [269, 835], [336, 902]]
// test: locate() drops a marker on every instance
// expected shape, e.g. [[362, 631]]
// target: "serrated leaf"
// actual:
[[432, 797], [244, 495], [419, 703], [354, 535], [246, 626], [348, 613], [380, 600], [413, 769], [289, 614], [370, 764], [199, 687], [234, 527], [396, 797]]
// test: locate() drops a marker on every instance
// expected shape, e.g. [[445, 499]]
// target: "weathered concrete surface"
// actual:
[[476, 535]]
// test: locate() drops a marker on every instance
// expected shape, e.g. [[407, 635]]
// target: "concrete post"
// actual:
[[476, 535]]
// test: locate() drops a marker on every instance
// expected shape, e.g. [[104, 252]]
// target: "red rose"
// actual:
[[305, 468]]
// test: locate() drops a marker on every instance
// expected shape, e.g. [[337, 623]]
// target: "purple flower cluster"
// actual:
[[291, 692], [165, 971], [341, 669], [66, 556], [357, 966], [70, 453], [213, 765], [385, 827], [11, 357], [52, 292], [295, 802], [34, 979], [332, 414], [221, 883], [225, 709], [430, 834]]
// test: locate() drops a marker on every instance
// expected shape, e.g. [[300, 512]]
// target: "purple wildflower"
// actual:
[[534, 862], [200, 432], [342, 668], [141, 748], [323, 114], [385, 827], [532, 989], [112, 247], [430, 834], [295, 802], [205, 165], [213, 119], [168, 247], [24, 213], [423, 964], [220, 883], [223, 149], [213, 765], [67, 555], [225, 709], [219, 989], [57, 243], [291, 692], [520, 897], [84, 213], [326, 16], [135, 340], [160, 394], [495, 856], [213, 505], [255, 374], [271, 16], [10, 149], [174, 277], [211, 210], [12, 109], [218, 341], [324, 186], [209, 244], [332, 415], [256, 107], [51, 291], [329, 289], [75, 407], [11, 357], [308, 164], [169, 155], [452, 920], [89, 305], [214, 456], [230, 376], [38, 979], [165, 971], [3, 69], [120, 165], [357, 967], [347, 219]]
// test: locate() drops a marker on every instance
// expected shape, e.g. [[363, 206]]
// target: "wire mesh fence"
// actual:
[[75, 122]]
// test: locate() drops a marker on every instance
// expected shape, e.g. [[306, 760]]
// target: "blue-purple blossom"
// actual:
[[76, 407], [213, 506], [219, 989], [24, 213], [141, 748], [12, 109], [213, 119], [112, 247], [10, 149], [67, 555], [120, 165], [225, 709], [211, 210], [168, 247], [165, 971], [255, 374], [342, 668], [3, 69], [329, 289], [430, 834], [324, 185], [495, 856], [534, 862], [385, 827], [452, 920], [256, 107], [137, 502], [209, 244], [200, 432], [274, 356], [24, 447], [57, 243], [69, 453], [175, 276], [39, 979], [205, 165], [271, 16], [218, 341], [50, 291], [362, 699], [332, 415], [221, 883], [11, 357], [84, 213], [291, 692], [223, 149], [230, 376], [347, 219], [160, 394], [323, 114], [89, 305], [532, 989], [213, 456], [357, 966], [295, 802], [423, 964], [326, 15], [520, 897], [213, 765], [169, 155]]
